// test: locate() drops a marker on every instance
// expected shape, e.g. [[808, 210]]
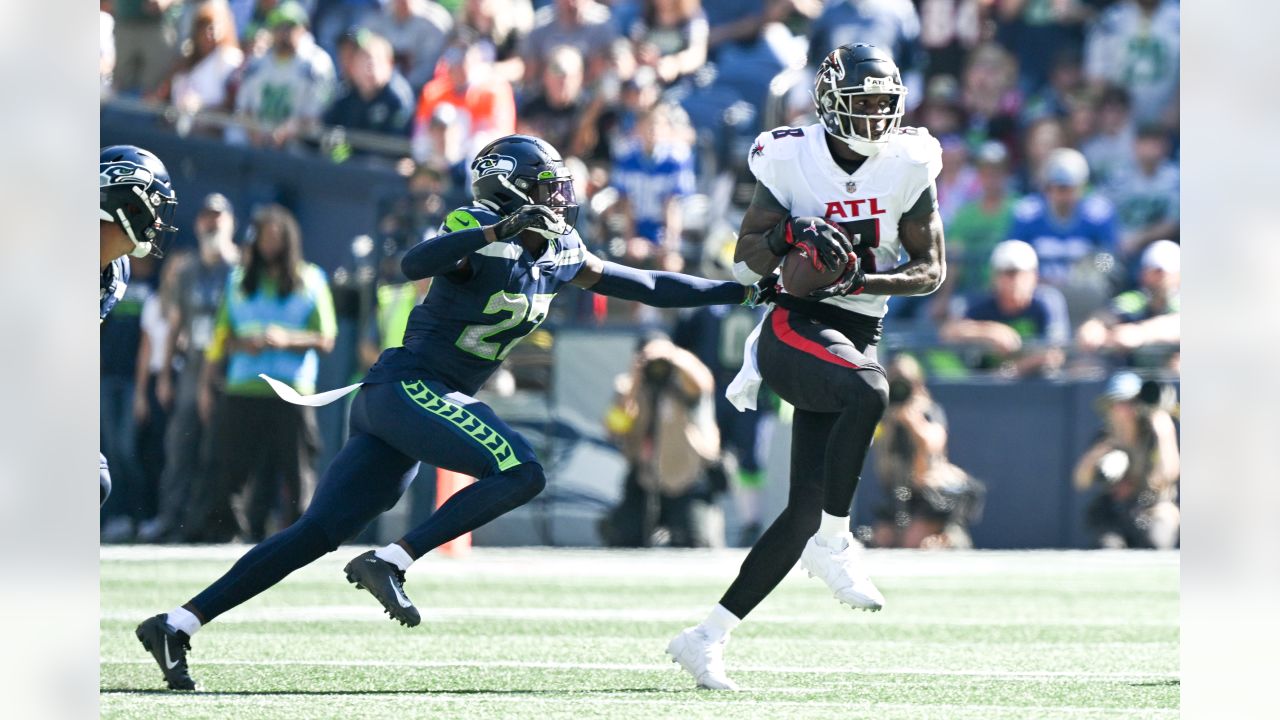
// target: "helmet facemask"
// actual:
[[144, 209], [835, 106], [557, 193], [552, 189]]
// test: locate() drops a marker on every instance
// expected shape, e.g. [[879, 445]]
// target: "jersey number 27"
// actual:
[[475, 338]]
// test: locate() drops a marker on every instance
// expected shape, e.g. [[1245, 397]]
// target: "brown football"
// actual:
[[799, 275]]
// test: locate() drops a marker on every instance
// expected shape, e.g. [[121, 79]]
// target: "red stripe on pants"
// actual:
[[782, 328]]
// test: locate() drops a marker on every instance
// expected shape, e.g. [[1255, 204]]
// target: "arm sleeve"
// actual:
[[665, 289], [441, 253]]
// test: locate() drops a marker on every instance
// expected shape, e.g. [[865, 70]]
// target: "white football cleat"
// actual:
[[840, 567], [701, 657]]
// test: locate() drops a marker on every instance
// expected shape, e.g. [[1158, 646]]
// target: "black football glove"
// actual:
[[761, 291], [828, 246], [529, 217], [850, 283]]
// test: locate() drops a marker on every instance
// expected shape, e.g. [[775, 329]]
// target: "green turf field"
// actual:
[[545, 633]]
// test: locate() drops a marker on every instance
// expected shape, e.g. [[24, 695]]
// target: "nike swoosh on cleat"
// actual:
[[400, 598], [170, 664]]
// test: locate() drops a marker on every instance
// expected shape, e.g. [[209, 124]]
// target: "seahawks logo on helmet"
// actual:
[[494, 165], [124, 173]]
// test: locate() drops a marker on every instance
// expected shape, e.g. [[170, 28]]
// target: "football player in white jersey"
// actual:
[[856, 189]]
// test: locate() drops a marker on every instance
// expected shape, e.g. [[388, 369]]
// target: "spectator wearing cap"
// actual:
[[1063, 224], [1020, 327], [1143, 326], [485, 102], [584, 24], [980, 224], [209, 59], [555, 114], [653, 177], [418, 31], [197, 288], [1135, 45], [145, 42], [1135, 459], [1146, 193], [284, 92], [670, 36], [378, 98]]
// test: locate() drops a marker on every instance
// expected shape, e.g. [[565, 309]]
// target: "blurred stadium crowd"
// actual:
[[1059, 193]]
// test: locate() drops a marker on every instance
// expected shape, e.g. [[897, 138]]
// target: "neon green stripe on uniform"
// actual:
[[486, 436], [460, 220]]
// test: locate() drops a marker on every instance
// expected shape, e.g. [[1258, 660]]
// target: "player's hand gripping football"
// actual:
[[851, 281], [529, 217], [826, 244]]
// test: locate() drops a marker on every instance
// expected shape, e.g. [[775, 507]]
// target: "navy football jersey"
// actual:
[[111, 286], [463, 329]]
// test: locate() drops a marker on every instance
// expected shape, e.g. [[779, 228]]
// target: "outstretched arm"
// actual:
[[656, 288]]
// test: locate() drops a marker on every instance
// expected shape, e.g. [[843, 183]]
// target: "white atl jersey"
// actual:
[[796, 166]]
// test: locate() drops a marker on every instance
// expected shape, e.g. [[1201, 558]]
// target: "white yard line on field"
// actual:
[[1058, 565], [649, 667], [371, 613]]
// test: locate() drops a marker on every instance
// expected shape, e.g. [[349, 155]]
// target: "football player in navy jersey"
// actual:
[[135, 209], [497, 265]]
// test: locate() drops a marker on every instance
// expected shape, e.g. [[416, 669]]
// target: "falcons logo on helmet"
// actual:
[[758, 150]]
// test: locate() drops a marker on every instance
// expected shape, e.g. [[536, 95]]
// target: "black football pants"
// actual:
[[839, 392]]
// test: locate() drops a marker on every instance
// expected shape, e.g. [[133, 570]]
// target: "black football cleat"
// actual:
[[169, 647], [385, 582]]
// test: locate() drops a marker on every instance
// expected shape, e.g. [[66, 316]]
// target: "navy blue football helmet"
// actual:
[[134, 192], [519, 170]]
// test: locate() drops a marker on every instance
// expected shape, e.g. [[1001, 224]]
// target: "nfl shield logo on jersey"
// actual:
[[851, 187]]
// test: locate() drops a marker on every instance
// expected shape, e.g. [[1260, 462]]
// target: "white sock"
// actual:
[[394, 554], [719, 623], [832, 527], [182, 619]]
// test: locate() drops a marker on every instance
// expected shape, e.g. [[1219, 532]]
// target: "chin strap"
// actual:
[[864, 147]]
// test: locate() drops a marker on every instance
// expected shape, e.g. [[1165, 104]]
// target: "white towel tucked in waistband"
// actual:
[[289, 395], [746, 384]]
